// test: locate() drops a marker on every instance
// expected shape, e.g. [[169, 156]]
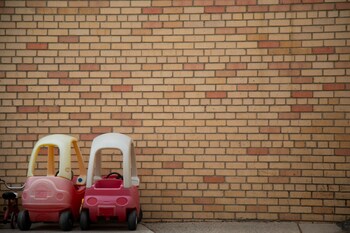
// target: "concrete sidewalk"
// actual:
[[197, 227]]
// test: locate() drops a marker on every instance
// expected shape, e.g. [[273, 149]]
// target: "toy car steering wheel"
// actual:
[[119, 177]]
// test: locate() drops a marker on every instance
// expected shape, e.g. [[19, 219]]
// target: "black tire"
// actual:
[[13, 220], [23, 220], [66, 221], [139, 219], [84, 220], [132, 220]]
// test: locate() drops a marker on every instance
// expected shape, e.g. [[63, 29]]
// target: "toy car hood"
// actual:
[[113, 141], [64, 144]]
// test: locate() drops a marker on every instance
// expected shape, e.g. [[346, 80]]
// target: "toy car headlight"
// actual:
[[122, 201]]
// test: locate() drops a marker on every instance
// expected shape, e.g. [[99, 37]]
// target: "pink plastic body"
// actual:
[[45, 197], [109, 200]]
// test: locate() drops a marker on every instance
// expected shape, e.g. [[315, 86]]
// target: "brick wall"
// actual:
[[240, 109]]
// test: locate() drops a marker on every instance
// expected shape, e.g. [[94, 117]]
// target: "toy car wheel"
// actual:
[[13, 220], [84, 220], [23, 221], [132, 220], [139, 219], [66, 221]]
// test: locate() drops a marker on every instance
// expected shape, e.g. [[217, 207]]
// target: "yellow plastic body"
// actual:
[[64, 144]]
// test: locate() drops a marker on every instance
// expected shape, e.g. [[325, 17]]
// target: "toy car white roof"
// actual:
[[113, 141], [64, 143]]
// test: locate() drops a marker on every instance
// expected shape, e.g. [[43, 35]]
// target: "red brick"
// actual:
[[343, 64], [88, 136], [173, 24], [68, 39], [301, 7], [27, 137], [225, 31], [89, 67], [342, 152], [279, 65], [258, 151], [290, 173], [302, 94], [214, 179], [132, 123], [279, 8], [290, 217], [256, 208], [69, 81], [153, 10], [49, 109], [7, 11], [152, 24], [172, 165], [288, 115], [28, 109], [333, 86], [204, 200], [90, 95], [152, 151], [323, 50], [27, 67], [302, 108], [99, 3], [121, 116], [259, 8], [270, 129], [122, 88], [193, 66], [268, 44], [216, 94], [236, 66], [214, 9], [16, 88], [37, 46], [100, 129], [342, 6], [278, 180], [245, 2], [324, 6], [151, 66], [58, 74], [79, 116], [313, 1]]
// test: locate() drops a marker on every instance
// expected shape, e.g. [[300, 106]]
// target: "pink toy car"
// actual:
[[55, 197], [114, 197]]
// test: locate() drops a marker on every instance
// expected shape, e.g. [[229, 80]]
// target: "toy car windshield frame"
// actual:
[[64, 144], [113, 141]]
